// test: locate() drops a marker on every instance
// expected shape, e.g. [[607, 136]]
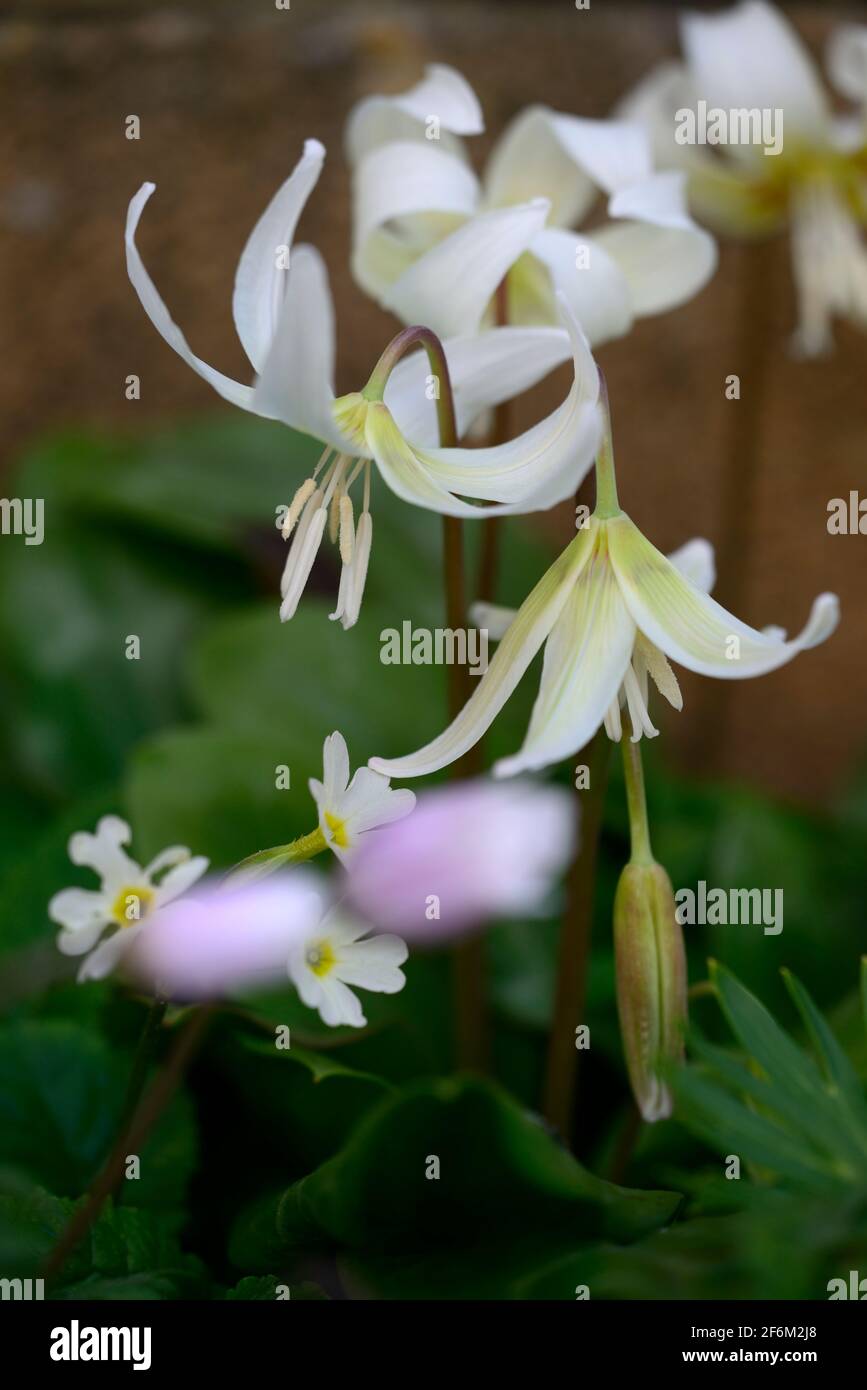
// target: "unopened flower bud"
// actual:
[[651, 983]]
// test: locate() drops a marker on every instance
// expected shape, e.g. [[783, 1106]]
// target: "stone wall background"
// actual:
[[226, 93]]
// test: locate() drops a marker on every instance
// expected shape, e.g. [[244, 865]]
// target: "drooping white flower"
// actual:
[[285, 320], [433, 243], [349, 809], [750, 59], [127, 898], [337, 955], [612, 610]]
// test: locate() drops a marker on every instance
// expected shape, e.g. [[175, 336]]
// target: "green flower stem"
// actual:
[[574, 954], [636, 801], [607, 504], [469, 964], [267, 861], [486, 584], [144, 1055], [130, 1140]]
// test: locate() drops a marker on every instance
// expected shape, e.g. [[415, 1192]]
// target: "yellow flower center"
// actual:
[[132, 904], [320, 958], [338, 830]]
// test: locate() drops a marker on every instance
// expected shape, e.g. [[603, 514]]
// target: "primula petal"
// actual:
[[374, 964], [529, 161], [107, 955], [470, 263], [335, 767], [586, 658], [180, 878], [296, 382], [692, 628], [260, 280], [162, 320], [103, 852], [535, 619], [750, 56], [78, 909], [78, 941], [443, 93]]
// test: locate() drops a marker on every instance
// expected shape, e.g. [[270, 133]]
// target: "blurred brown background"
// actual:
[[226, 91]]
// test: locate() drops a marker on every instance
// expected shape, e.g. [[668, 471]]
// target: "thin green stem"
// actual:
[[469, 965], [267, 861], [130, 1140], [636, 800], [144, 1055], [574, 955], [607, 504]]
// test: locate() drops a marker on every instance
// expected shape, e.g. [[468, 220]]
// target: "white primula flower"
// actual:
[[434, 244], [347, 810], [338, 954], [750, 59], [127, 897], [612, 610], [285, 320]]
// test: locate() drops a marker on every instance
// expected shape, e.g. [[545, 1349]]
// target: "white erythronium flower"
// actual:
[[285, 320], [612, 610], [128, 896], [338, 954], [348, 810], [749, 59], [433, 243]]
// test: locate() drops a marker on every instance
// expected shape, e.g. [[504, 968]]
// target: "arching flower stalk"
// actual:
[[285, 320]]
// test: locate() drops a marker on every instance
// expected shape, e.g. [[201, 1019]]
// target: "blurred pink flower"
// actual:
[[467, 854], [225, 940]]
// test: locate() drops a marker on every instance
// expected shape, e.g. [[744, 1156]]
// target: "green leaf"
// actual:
[[503, 1185], [838, 1070]]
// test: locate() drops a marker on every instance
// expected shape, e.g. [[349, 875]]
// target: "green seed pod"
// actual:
[[651, 983]]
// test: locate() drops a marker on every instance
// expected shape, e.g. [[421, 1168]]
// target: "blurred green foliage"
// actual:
[[307, 1167]]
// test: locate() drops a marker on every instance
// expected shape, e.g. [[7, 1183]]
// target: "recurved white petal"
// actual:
[[691, 627], [586, 659], [593, 284], [162, 320], [847, 60], [296, 382], [520, 643], [108, 954], [664, 257], [450, 286], [613, 153], [484, 369], [751, 56], [260, 280], [443, 94], [529, 161], [542, 466], [403, 178], [696, 561]]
